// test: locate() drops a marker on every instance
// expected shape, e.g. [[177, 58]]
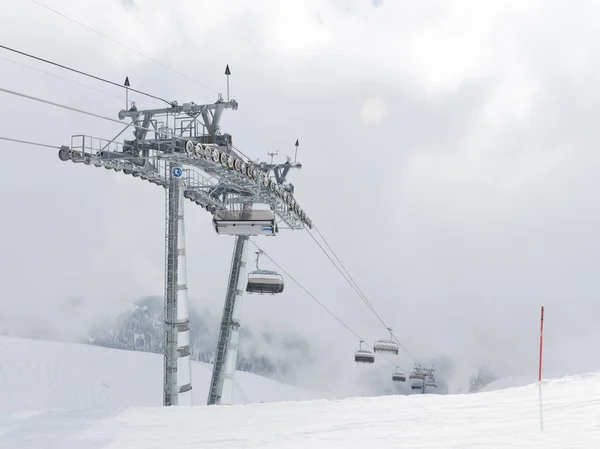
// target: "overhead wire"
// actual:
[[240, 151], [283, 270], [354, 285], [139, 53], [52, 103], [29, 142], [80, 72], [339, 320], [61, 77], [81, 111], [361, 292]]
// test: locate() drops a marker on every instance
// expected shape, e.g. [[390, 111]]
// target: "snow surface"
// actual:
[[56, 373], [508, 382], [45, 375]]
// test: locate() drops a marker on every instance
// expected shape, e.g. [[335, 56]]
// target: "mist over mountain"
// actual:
[[285, 357], [265, 353], [484, 376]]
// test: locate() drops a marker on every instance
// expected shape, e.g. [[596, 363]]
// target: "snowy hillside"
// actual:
[[500, 419], [42, 375]]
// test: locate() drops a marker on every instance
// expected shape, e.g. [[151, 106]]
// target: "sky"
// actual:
[[449, 158]]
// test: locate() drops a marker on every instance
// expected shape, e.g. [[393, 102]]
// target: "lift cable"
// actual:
[[51, 103], [339, 320], [81, 111], [139, 53], [156, 61], [306, 291], [240, 151], [30, 143], [62, 78], [361, 292], [104, 80], [356, 289], [354, 285]]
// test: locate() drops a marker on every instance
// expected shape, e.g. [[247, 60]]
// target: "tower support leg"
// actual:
[[177, 368], [221, 384]]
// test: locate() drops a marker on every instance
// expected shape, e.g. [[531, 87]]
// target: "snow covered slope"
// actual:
[[509, 382], [44, 375], [62, 396], [500, 419]]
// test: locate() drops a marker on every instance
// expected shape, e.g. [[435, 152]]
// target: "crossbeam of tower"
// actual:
[[181, 149]]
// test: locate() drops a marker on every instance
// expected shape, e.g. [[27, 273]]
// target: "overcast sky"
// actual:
[[449, 155]]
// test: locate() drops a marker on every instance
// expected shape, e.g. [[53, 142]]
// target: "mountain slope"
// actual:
[[42, 375], [500, 419]]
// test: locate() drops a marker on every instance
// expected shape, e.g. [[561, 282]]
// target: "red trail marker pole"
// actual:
[[541, 344], [540, 368]]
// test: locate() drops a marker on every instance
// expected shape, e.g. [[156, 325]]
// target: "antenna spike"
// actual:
[[296, 152], [126, 84], [227, 73]]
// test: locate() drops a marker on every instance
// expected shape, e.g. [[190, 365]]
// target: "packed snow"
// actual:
[[56, 395]]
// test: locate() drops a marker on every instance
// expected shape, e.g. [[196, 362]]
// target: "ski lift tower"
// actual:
[[181, 148]]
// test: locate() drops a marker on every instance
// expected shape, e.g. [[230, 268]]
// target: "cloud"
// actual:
[[469, 203]]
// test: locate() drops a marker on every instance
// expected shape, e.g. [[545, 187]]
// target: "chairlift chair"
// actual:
[[386, 346], [416, 376], [363, 355], [264, 281], [398, 377], [430, 382]]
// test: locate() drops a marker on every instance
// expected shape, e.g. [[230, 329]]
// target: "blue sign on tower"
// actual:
[[177, 172]]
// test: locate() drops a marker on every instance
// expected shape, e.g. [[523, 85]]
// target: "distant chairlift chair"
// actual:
[[363, 355], [386, 346], [398, 377], [264, 281], [430, 382]]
